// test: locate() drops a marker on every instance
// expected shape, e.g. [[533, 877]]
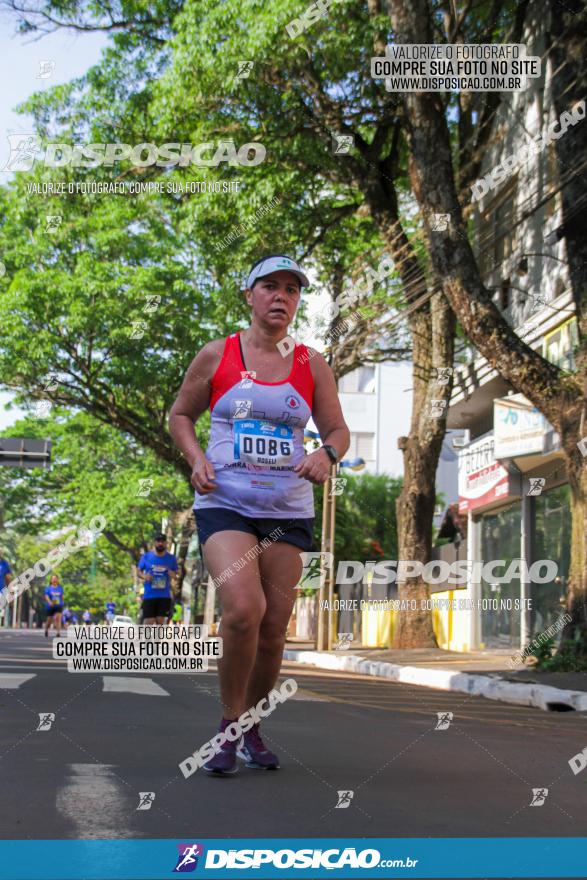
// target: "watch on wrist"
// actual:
[[331, 453]]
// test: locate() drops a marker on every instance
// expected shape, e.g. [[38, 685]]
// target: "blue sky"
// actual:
[[20, 60]]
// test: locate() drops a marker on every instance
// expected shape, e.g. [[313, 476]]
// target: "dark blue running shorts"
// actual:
[[221, 519]]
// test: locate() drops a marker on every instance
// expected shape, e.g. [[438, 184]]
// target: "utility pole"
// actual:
[[326, 593], [23, 452]]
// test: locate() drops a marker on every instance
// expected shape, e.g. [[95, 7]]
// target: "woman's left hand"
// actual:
[[315, 467]]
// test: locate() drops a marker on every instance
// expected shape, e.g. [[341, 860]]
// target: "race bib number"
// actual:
[[159, 580], [263, 443]]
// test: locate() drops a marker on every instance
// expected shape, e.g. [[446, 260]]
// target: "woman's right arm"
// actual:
[[193, 400]]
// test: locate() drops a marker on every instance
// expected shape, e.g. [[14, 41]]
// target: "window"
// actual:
[[559, 345], [365, 446], [504, 295], [362, 446], [497, 238], [360, 380]]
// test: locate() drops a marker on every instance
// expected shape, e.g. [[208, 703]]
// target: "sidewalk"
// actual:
[[480, 673]]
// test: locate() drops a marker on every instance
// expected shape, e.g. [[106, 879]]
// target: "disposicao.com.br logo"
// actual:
[[26, 149], [187, 860], [329, 859]]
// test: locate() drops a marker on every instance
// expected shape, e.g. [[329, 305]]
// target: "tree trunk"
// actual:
[[433, 332], [576, 597], [432, 328]]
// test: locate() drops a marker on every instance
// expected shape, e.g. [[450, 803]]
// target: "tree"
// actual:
[[95, 470], [321, 98], [560, 396]]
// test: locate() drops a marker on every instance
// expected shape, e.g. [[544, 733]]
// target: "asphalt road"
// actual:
[[82, 777]]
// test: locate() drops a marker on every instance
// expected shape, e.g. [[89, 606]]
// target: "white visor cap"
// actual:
[[277, 264]]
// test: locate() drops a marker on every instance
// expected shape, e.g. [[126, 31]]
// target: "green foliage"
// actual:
[[366, 527], [95, 470], [570, 657], [81, 591]]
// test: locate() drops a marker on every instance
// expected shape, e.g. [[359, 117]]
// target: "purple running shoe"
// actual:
[[255, 753], [223, 762]]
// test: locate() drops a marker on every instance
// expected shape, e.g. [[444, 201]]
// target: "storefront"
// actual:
[[512, 485]]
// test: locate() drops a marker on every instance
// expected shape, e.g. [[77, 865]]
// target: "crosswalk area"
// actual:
[[97, 755], [102, 750], [116, 684]]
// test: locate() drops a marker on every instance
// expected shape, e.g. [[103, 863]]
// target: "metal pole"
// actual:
[[16, 613], [324, 548], [330, 574], [474, 586], [525, 553], [209, 606]]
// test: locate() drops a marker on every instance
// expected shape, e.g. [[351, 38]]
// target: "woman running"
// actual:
[[253, 485]]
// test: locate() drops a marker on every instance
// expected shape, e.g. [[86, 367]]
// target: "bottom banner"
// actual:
[[367, 858]]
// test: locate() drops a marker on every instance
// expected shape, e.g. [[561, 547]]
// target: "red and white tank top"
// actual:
[[257, 437]]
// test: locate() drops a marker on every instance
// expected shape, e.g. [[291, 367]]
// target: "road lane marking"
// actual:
[[125, 684], [13, 680], [94, 801], [309, 696]]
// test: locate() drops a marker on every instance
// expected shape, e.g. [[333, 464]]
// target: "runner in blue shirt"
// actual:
[[87, 618], [53, 605], [157, 569], [5, 571], [5, 574], [110, 610]]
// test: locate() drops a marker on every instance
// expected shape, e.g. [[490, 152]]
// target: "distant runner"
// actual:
[[87, 618], [157, 569], [5, 577], [53, 605], [110, 611]]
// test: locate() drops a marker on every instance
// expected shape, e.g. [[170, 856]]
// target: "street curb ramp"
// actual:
[[541, 696]]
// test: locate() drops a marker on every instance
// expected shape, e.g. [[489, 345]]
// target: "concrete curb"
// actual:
[[541, 696]]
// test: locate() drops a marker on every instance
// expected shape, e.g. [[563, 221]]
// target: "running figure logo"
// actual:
[[344, 641], [537, 484], [152, 304], [46, 719], [440, 222], [436, 409], [338, 484], [443, 375], [444, 719], [41, 408], [53, 222], [314, 570], [46, 69], [138, 329], [342, 144], [23, 151], [188, 857], [242, 409], [344, 799], [539, 795], [146, 799], [244, 69]]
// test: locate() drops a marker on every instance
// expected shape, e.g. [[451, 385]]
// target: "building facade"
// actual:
[[512, 482]]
